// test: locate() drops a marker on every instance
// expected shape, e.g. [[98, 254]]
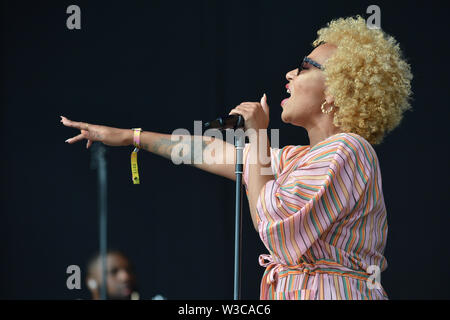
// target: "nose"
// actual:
[[124, 275], [290, 75]]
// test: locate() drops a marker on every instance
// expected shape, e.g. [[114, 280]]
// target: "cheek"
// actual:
[[309, 88]]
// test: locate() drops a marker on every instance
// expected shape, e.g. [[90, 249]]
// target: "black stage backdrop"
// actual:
[[160, 65]]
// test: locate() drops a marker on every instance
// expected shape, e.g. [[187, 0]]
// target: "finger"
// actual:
[[243, 107], [77, 138], [242, 110], [237, 110], [88, 144], [248, 106], [242, 113], [74, 124], [251, 104], [264, 104]]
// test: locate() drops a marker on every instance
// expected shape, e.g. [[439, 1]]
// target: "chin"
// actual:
[[284, 118]]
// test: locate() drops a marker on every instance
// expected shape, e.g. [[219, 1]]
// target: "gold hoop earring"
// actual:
[[326, 111]]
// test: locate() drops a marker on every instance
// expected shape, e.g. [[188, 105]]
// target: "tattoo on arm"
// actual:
[[164, 146]]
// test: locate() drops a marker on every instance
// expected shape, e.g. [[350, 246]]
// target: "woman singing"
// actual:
[[321, 212]]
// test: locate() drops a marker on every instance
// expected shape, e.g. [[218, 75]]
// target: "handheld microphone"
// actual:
[[233, 121]]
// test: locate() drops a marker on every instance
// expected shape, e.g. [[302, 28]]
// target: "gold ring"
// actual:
[[87, 126]]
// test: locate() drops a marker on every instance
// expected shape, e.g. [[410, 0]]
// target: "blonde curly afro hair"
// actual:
[[367, 76]]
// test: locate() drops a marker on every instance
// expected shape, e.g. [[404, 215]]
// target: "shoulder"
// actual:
[[357, 148], [351, 142], [343, 147], [290, 154], [291, 151], [355, 156]]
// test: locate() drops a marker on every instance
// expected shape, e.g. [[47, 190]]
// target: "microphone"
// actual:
[[233, 121]]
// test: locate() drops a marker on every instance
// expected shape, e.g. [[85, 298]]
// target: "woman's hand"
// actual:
[[255, 114], [93, 132]]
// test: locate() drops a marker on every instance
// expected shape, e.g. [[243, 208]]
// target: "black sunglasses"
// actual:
[[311, 62]]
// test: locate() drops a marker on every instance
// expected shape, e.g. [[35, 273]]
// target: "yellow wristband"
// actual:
[[134, 165]]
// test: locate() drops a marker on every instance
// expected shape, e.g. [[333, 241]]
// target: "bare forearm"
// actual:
[[160, 144], [256, 179], [197, 151]]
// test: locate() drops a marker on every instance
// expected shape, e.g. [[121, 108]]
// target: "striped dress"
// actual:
[[323, 221]]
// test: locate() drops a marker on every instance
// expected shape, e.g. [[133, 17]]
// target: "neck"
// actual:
[[318, 134]]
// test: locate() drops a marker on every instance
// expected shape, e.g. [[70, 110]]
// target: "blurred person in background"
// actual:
[[120, 277]]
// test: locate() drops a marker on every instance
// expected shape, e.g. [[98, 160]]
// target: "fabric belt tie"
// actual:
[[273, 269]]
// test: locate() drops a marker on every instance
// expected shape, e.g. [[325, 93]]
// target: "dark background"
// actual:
[[160, 65]]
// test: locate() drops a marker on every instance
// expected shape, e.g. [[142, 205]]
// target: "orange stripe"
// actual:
[[283, 242], [338, 290]]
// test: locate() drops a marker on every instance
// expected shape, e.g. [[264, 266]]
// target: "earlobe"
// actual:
[[329, 99], [92, 284]]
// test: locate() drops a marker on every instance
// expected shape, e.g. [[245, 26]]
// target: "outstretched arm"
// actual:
[[166, 145], [163, 145]]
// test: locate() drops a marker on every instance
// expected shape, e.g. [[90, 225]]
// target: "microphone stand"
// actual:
[[239, 143], [235, 122], [98, 162]]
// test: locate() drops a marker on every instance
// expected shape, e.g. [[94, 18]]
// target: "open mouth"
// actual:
[[289, 92]]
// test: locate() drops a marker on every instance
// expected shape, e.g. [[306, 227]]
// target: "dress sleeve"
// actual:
[[301, 207], [278, 157]]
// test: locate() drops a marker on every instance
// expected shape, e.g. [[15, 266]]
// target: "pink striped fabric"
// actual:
[[323, 221]]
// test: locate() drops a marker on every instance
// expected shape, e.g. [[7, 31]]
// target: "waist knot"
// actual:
[[273, 268]]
